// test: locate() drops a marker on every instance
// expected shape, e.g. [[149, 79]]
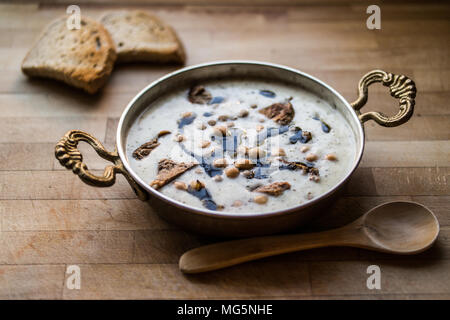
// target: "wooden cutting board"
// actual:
[[50, 220]]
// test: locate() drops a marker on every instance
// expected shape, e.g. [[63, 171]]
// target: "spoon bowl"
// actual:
[[394, 227], [401, 227]]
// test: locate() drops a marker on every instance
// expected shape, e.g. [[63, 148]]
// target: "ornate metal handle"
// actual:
[[70, 157], [400, 87]]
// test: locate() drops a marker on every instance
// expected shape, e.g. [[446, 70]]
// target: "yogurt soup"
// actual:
[[241, 146]]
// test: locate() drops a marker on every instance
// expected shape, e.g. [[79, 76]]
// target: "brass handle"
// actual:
[[400, 87], [70, 157]]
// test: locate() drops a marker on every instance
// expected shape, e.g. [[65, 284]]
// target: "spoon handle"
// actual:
[[225, 254]]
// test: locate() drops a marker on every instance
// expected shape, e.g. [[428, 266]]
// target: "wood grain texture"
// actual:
[[50, 219], [399, 181], [50, 247], [151, 281], [31, 281], [75, 215], [57, 185], [406, 154], [349, 277], [38, 130]]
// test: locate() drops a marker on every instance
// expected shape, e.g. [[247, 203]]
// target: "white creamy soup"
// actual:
[[241, 146]]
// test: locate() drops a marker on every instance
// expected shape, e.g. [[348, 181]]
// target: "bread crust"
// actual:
[[141, 36], [82, 58]]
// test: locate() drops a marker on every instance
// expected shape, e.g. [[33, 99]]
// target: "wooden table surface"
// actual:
[[50, 220]]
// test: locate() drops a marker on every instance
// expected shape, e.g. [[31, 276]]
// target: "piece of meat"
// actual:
[[281, 112], [145, 149], [200, 95], [168, 170], [163, 133], [274, 189], [148, 147], [297, 165]]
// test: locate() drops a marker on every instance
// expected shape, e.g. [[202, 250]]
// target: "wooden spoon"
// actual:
[[393, 227]]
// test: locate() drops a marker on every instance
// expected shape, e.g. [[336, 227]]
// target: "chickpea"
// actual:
[[220, 163], [244, 164], [178, 137], [260, 199], [331, 157], [242, 150], [220, 131], [205, 144], [180, 185], [256, 153], [278, 152], [311, 157], [196, 185], [248, 174], [232, 172], [237, 203], [304, 149], [243, 113]]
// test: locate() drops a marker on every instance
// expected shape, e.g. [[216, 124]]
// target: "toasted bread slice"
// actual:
[[83, 58], [140, 36]]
